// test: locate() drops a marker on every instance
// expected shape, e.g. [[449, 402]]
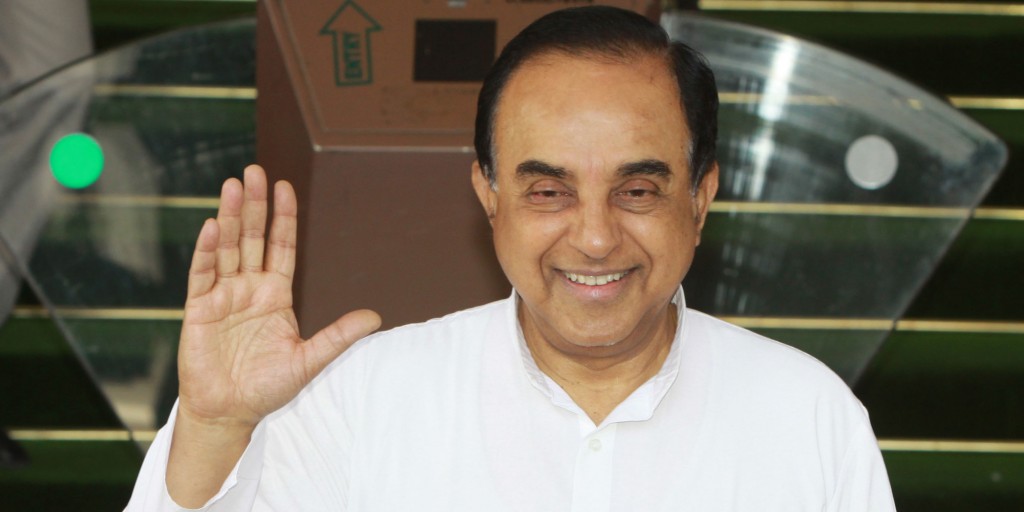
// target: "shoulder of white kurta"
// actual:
[[439, 335], [423, 347], [745, 346], [790, 424], [397, 365], [765, 367]]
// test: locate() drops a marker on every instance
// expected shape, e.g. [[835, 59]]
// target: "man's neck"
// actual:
[[599, 384]]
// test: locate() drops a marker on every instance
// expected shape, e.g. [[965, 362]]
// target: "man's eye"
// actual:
[[639, 193], [549, 197], [546, 192], [638, 196]]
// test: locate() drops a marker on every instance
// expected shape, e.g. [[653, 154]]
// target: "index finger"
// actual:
[[229, 221]]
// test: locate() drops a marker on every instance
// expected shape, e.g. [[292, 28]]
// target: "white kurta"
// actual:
[[454, 415]]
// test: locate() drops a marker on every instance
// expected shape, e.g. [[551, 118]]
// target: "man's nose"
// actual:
[[595, 231]]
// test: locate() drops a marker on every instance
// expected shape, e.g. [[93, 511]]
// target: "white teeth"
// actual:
[[594, 280]]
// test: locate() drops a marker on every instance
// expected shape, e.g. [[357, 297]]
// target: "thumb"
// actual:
[[326, 345]]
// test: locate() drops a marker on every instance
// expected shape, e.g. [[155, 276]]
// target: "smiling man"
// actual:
[[591, 388]]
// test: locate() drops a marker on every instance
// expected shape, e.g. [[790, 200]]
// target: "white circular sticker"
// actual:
[[871, 162]]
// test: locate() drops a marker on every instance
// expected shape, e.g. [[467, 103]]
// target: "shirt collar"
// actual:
[[640, 405]]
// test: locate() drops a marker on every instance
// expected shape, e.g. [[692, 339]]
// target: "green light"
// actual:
[[76, 160]]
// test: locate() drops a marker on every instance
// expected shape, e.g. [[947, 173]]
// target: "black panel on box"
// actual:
[[454, 50]]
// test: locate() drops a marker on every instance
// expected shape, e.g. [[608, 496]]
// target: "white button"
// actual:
[[595, 444]]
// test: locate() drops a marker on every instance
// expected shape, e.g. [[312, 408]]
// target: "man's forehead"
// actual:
[[559, 77], [556, 64], [550, 102]]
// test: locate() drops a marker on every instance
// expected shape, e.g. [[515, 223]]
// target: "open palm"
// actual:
[[241, 356]]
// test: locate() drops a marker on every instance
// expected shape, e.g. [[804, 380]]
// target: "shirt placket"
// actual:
[[592, 479]]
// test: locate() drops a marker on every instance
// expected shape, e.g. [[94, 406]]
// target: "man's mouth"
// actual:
[[595, 280]]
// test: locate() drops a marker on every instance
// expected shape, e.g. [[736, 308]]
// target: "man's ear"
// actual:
[[706, 191], [487, 196]]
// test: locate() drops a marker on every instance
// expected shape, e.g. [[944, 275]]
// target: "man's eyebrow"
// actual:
[[645, 168], [538, 168]]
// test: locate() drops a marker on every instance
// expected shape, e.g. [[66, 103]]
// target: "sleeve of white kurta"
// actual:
[[237, 492], [863, 484], [297, 458]]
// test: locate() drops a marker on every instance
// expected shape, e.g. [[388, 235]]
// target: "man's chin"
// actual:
[[591, 340]]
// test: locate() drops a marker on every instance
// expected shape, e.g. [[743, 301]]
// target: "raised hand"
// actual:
[[241, 356]]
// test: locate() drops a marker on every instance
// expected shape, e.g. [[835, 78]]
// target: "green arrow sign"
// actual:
[[350, 28]]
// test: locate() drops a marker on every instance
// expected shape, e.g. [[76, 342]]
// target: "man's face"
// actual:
[[594, 219]]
